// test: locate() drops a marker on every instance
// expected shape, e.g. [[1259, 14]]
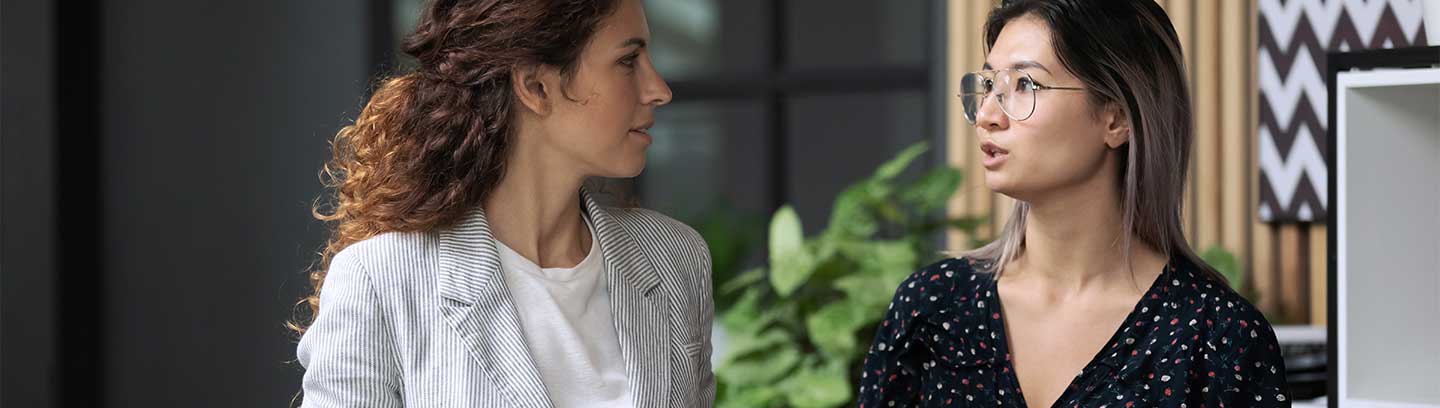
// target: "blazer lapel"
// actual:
[[639, 306], [477, 304]]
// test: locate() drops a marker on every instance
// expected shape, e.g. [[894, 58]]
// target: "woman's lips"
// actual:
[[994, 155], [643, 134]]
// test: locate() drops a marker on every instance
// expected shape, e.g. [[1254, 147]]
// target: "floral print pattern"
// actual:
[[1189, 342]]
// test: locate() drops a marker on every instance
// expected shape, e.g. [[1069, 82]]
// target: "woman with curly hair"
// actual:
[[469, 266]]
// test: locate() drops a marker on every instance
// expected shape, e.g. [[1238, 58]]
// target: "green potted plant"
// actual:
[[796, 329]]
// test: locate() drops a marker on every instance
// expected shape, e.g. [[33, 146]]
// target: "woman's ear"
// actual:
[[530, 86], [1117, 126]]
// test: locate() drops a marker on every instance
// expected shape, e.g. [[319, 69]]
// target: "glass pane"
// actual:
[[405, 15], [853, 33], [694, 38], [836, 140], [690, 38], [708, 156]]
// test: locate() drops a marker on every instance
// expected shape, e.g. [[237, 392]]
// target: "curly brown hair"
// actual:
[[431, 144]]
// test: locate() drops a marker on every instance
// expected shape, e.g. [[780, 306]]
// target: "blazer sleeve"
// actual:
[[707, 319], [348, 352]]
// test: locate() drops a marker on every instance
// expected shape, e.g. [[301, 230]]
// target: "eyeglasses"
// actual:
[[1013, 88]]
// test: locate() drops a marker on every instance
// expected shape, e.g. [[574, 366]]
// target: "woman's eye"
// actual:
[[629, 60], [988, 85], [1025, 85]]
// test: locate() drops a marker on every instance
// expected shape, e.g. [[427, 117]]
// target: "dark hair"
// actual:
[[431, 144], [1126, 52]]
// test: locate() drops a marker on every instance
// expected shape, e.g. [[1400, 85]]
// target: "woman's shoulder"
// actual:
[[1229, 316], [948, 293], [944, 279], [948, 271], [1233, 337], [387, 246], [649, 218], [652, 229], [387, 259]]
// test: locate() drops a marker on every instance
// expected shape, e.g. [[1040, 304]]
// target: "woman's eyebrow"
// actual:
[[635, 41], [1023, 64]]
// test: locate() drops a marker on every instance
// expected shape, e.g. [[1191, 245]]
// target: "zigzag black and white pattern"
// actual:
[[1294, 36]]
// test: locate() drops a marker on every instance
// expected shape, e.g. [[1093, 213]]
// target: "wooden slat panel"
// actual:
[[1263, 272], [981, 198], [1319, 270], [959, 36], [1207, 119], [1236, 131], [966, 20], [1261, 263], [1292, 306], [1182, 18]]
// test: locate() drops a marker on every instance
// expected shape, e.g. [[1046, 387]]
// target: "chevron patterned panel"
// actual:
[[1293, 38]]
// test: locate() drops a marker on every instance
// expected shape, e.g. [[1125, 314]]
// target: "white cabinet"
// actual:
[[1386, 259]]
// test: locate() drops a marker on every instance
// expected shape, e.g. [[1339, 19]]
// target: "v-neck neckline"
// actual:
[[1010, 375]]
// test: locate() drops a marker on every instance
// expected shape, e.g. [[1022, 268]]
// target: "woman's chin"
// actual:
[[997, 182], [1000, 184], [627, 168]]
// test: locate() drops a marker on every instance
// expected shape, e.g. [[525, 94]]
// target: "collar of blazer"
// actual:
[[477, 304]]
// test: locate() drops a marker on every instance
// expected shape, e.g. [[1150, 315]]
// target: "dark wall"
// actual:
[[216, 119], [27, 199], [211, 121]]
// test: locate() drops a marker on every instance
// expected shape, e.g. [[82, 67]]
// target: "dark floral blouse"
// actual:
[[1190, 342]]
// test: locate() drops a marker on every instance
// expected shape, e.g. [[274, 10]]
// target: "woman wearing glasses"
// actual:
[[1090, 296]]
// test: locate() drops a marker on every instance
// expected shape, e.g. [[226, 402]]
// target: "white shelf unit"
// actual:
[[1387, 150]]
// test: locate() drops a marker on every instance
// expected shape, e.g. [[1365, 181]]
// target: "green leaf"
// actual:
[[826, 246], [967, 223], [933, 190], [897, 165], [742, 280], [745, 316], [747, 345], [883, 258], [849, 218], [789, 273], [889, 212], [790, 263], [1225, 263], [749, 397], [868, 291], [786, 233], [766, 369], [832, 328], [818, 387]]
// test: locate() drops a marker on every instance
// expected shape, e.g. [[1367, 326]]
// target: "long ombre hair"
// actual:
[[1127, 53], [431, 144]]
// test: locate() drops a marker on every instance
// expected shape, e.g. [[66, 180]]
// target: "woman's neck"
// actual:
[[1074, 239], [535, 209]]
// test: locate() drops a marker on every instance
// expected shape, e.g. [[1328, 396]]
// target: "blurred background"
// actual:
[[160, 158]]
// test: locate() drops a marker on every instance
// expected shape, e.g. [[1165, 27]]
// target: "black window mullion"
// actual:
[[779, 139], [80, 282], [808, 82]]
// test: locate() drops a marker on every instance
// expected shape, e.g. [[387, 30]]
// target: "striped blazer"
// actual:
[[424, 319]]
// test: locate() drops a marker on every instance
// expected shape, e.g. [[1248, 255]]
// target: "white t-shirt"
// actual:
[[565, 315]]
